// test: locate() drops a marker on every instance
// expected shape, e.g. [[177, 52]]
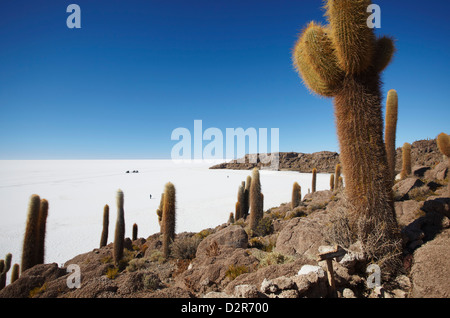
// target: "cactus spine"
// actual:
[[168, 218], [104, 237], [119, 234], [314, 180], [406, 160], [344, 61], [256, 204], [135, 232], [390, 130], [296, 195], [30, 245]]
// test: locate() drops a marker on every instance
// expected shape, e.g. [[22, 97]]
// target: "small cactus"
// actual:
[[104, 237], [15, 273], [160, 209], [119, 234], [390, 130], [296, 195], [135, 232], [406, 160], [231, 218], [256, 203], [337, 175], [168, 218], [30, 245], [314, 180]]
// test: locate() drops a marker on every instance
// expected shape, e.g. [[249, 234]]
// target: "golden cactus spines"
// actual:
[[443, 142], [353, 40], [390, 130]]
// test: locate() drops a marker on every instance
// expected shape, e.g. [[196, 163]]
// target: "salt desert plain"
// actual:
[[77, 191]]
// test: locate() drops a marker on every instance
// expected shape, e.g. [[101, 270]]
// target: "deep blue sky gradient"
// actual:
[[136, 70]]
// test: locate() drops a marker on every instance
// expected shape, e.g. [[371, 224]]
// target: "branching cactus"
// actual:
[[344, 60], [390, 130], [168, 218], [5, 265]]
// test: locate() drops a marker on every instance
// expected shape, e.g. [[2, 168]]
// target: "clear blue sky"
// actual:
[[136, 70]]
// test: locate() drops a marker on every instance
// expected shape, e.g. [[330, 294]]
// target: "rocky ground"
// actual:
[[278, 260]]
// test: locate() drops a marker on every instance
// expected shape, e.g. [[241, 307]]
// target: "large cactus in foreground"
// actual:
[[168, 218], [390, 130], [344, 60]]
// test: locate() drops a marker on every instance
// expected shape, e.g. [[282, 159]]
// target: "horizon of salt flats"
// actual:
[[77, 191]]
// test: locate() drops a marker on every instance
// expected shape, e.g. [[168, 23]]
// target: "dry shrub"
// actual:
[[185, 248]]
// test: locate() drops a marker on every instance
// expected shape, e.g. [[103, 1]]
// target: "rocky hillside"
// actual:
[[423, 153], [278, 260]]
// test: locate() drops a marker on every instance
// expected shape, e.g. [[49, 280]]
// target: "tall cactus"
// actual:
[[119, 234], [42, 224], [296, 195], [241, 201], [390, 130], [331, 182], [30, 244], [406, 161], [443, 142], [104, 237], [246, 206], [344, 60], [256, 200], [314, 180], [168, 218]]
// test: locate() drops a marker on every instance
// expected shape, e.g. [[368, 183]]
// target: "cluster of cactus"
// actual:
[[119, 234], [406, 161], [256, 200], [344, 60], [5, 265], [443, 142], [296, 195], [168, 218], [33, 250]]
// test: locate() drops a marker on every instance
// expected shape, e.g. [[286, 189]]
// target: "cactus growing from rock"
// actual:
[[104, 237], [343, 60], [406, 161], [256, 204], [168, 218], [314, 180], [119, 234], [390, 130], [30, 242], [296, 195]]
